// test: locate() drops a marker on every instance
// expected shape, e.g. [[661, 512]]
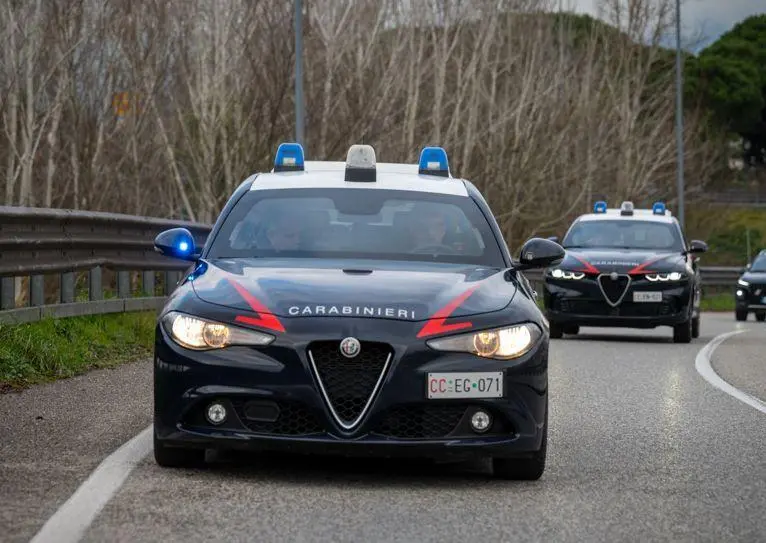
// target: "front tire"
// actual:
[[682, 333], [173, 457], [696, 327], [572, 329], [556, 331], [741, 314], [760, 316]]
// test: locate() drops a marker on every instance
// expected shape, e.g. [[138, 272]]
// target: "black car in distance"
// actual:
[[625, 267], [750, 294], [354, 308]]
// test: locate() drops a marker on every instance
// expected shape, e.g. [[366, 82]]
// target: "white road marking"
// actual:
[[72, 519], [705, 369]]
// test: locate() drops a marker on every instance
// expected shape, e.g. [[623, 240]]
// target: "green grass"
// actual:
[[53, 349], [718, 302]]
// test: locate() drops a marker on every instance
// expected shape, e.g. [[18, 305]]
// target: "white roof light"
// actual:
[[360, 163]]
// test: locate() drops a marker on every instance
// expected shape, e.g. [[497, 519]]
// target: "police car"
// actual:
[[354, 308], [625, 267], [751, 290]]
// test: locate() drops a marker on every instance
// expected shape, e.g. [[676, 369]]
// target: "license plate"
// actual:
[[465, 385], [647, 296]]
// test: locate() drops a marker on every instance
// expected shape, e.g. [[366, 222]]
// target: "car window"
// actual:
[[357, 223], [627, 234], [759, 264]]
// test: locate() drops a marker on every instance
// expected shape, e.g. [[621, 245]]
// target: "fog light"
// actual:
[[740, 293], [216, 413], [480, 421]]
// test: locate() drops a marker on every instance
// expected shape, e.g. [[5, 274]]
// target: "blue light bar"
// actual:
[[599, 207], [289, 158], [433, 161], [658, 208]]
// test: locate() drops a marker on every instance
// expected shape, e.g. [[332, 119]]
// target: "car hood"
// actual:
[[412, 293], [754, 277], [622, 261]]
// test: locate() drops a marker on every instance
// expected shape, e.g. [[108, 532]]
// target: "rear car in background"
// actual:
[[628, 268], [750, 295], [355, 308]]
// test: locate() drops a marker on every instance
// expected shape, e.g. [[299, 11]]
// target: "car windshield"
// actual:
[[759, 264], [357, 224], [624, 234]]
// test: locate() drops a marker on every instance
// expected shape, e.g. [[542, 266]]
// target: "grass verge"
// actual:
[[43, 351], [718, 302]]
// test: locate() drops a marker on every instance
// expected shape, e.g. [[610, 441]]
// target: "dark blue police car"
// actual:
[[354, 308], [626, 267], [750, 295]]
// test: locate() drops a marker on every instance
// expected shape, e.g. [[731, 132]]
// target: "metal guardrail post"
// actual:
[[7, 292], [67, 287], [37, 290], [123, 284], [95, 290], [147, 282], [171, 280]]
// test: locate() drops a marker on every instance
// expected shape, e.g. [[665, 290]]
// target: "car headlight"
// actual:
[[743, 283], [672, 276], [500, 343], [201, 334], [564, 274]]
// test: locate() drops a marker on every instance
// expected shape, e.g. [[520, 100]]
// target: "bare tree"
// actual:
[[162, 107]]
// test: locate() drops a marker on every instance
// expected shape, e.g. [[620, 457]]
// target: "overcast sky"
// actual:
[[713, 17]]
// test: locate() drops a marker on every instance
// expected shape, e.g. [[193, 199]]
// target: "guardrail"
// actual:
[[751, 197], [48, 255]]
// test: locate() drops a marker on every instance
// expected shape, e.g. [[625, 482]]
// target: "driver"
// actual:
[[429, 228], [284, 233]]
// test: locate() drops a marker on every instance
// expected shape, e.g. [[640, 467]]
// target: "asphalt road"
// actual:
[[641, 448]]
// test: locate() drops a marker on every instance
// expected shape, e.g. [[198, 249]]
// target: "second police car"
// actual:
[[354, 308], [629, 268], [750, 295]]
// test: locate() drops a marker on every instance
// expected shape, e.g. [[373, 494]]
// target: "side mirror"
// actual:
[[554, 238], [540, 253], [697, 246], [176, 243]]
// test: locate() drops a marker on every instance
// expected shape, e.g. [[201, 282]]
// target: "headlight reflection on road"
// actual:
[[671, 406]]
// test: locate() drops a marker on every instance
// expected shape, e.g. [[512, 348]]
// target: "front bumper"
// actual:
[[751, 298], [401, 421], [569, 302]]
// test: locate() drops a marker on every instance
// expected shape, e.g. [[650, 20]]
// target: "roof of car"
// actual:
[[638, 214], [389, 176]]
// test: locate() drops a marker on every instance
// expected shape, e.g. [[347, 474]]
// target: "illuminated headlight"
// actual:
[[740, 293], [563, 274], [743, 283], [672, 276], [200, 334], [500, 343]]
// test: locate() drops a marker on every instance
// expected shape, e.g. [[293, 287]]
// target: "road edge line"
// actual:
[[74, 517], [705, 369]]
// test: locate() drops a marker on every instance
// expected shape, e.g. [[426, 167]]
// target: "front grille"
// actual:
[[613, 289], [625, 309], [421, 422], [348, 382], [293, 419], [437, 421]]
